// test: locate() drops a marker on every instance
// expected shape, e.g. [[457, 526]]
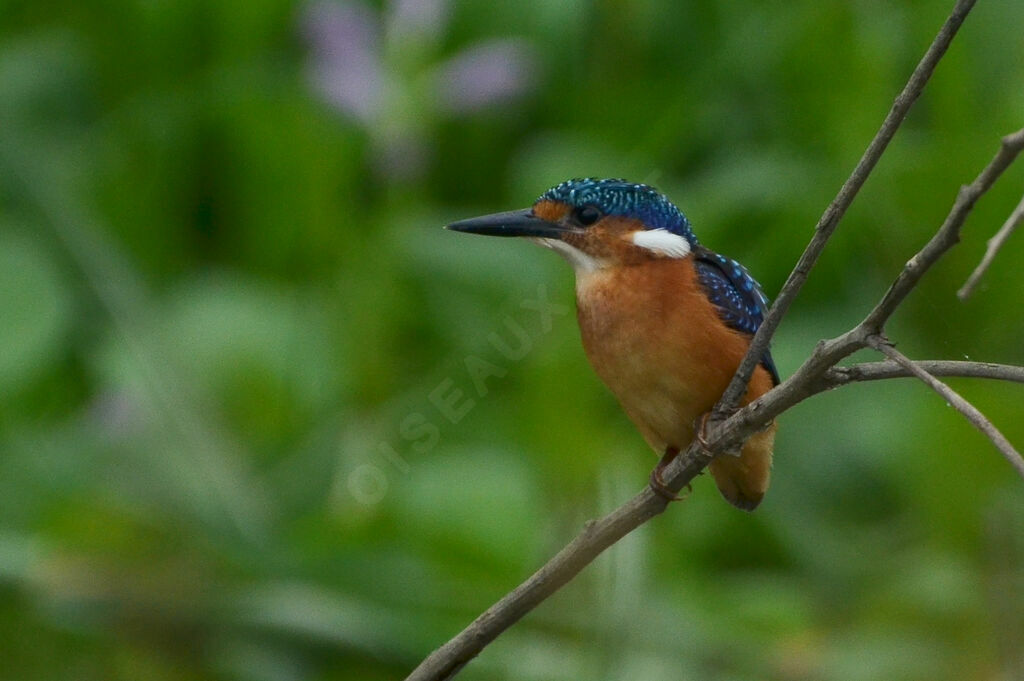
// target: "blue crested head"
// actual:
[[626, 199]]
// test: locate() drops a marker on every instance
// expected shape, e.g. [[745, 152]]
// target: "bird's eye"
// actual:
[[588, 214]]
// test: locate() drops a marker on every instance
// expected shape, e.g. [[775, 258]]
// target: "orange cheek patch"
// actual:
[[618, 225], [552, 211]]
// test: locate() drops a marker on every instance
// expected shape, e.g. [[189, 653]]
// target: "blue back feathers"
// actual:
[[738, 297], [626, 199], [731, 288]]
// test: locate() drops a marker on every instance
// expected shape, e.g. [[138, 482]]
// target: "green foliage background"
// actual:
[[221, 322]]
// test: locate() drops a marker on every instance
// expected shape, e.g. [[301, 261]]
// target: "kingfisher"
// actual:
[[664, 320]]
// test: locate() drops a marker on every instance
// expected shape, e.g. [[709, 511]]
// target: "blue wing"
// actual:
[[741, 303]]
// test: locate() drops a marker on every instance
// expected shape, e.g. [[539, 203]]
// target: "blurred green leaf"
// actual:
[[221, 293], [482, 504], [36, 310]]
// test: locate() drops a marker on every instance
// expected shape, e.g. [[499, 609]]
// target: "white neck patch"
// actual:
[[662, 242], [580, 261]]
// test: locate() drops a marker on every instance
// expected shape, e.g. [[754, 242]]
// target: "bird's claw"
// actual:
[[702, 431], [701, 436], [658, 485]]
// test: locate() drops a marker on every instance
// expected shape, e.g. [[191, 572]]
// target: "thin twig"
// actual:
[[969, 411], [812, 377], [948, 235], [596, 536], [994, 244], [833, 214], [806, 380], [878, 371], [446, 661]]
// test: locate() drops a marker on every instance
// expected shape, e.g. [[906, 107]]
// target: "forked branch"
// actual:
[[970, 412], [994, 245], [817, 374], [837, 209]]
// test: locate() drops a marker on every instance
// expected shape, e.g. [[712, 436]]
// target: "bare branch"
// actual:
[[833, 214], [948, 235], [818, 373], [808, 379], [969, 411], [816, 376], [597, 535], [878, 371], [994, 244]]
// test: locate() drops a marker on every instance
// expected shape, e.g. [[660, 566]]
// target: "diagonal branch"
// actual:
[[948, 235], [597, 535], [806, 380], [818, 373], [812, 377], [969, 411], [994, 245], [834, 213]]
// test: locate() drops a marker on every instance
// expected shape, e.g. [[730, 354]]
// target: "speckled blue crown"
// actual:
[[627, 199]]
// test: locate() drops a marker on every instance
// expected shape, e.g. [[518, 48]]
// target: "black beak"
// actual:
[[512, 223]]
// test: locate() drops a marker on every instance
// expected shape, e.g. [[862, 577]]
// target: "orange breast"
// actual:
[[658, 344]]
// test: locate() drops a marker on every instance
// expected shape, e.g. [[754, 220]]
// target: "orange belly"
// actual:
[[658, 344]]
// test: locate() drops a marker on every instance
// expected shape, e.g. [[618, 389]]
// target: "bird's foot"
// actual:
[[658, 484], [700, 428]]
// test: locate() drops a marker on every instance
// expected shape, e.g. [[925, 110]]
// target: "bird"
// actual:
[[664, 320]]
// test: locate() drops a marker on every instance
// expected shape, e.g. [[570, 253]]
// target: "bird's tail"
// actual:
[[743, 479]]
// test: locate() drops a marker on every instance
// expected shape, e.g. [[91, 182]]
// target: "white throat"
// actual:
[[580, 261]]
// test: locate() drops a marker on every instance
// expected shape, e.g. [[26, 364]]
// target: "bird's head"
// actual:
[[596, 223]]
